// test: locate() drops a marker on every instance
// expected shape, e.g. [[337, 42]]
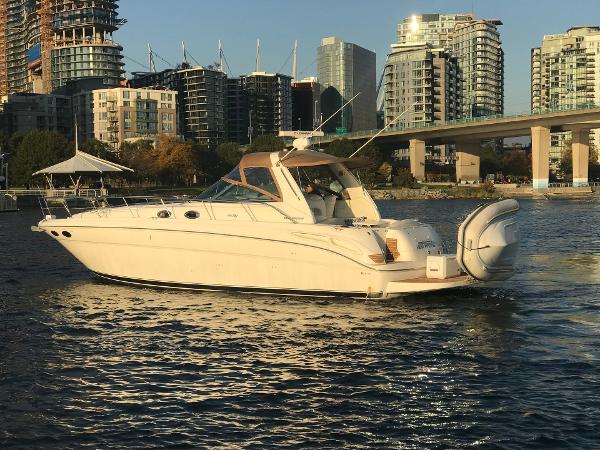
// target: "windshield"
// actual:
[[323, 178], [254, 184]]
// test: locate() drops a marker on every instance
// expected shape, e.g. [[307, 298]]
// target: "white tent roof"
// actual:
[[83, 163]]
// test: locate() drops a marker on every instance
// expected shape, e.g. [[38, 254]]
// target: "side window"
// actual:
[[237, 193], [261, 178]]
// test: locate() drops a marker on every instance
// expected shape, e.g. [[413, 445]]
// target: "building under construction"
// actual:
[[44, 44]]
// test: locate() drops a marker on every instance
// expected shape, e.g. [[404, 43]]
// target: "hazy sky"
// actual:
[[369, 23]]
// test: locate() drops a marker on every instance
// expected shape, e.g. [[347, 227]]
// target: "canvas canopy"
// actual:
[[83, 163], [301, 158]]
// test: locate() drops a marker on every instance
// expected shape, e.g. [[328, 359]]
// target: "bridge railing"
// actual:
[[535, 112]]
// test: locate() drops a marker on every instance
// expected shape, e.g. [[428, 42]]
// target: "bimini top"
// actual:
[[301, 158]]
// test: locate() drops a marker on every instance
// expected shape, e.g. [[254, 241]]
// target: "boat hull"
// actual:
[[274, 261]]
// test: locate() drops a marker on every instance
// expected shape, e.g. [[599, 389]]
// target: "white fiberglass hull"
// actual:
[[271, 258]]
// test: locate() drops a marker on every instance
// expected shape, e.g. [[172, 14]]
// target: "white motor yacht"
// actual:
[[294, 223]]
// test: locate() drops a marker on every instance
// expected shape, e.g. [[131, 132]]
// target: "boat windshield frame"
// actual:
[[238, 177]]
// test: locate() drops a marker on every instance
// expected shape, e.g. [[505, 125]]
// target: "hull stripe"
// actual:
[[247, 290]]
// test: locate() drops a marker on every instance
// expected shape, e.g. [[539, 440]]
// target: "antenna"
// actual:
[[185, 60], [221, 68], [258, 55], [151, 64], [384, 128], [294, 65], [76, 134]]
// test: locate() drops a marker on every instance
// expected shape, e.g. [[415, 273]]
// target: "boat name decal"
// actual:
[[425, 244]]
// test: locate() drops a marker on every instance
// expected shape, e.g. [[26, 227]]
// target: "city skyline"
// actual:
[[525, 25]]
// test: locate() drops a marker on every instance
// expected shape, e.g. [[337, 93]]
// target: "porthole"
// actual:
[[66, 234], [192, 214], [164, 214], [54, 233]]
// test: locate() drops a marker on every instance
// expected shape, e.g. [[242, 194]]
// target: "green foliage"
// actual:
[[4, 143], [229, 154], [516, 164], [488, 187], [385, 171], [36, 150], [209, 165], [489, 161], [343, 148], [404, 179], [266, 143], [141, 157], [565, 165], [100, 149]]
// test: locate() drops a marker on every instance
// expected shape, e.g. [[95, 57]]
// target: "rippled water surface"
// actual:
[[86, 363]]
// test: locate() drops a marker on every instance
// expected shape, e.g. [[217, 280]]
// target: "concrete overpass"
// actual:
[[468, 134]]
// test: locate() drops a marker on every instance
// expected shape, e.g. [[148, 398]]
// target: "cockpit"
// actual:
[[303, 178]]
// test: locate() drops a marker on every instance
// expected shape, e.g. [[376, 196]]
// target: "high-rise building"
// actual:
[[46, 43], [214, 109], [117, 114], [477, 46], [202, 102], [24, 112], [344, 70], [306, 104], [565, 73], [422, 85], [202, 105], [238, 114], [427, 78], [434, 29], [269, 97]]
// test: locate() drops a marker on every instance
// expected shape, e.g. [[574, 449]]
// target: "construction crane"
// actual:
[[46, 37]]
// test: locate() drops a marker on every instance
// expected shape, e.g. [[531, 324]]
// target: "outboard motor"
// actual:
[[488, 241]]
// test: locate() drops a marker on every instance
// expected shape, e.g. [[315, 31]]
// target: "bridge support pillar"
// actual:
[[417, 159], [581, 156], [467, 161], [540, 156]]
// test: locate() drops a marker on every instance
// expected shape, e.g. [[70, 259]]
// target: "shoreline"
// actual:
[[476, 192]]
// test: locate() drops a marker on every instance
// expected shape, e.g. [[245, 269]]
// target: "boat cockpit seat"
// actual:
[[317, 205], [329, 205]]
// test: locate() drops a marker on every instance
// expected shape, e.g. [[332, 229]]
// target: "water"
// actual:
[[84, 363]]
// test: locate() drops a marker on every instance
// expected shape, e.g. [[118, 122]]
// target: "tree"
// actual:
[[34, 151], [344, 148], [142, 157], [489, 162], [341, 148], [404, 179], [229, 154], [175, 160], [208, 164], [100, 149], [266, 143], [516, 164], [565, 165]]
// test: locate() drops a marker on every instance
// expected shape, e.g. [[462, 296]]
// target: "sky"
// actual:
[[164, 24]]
